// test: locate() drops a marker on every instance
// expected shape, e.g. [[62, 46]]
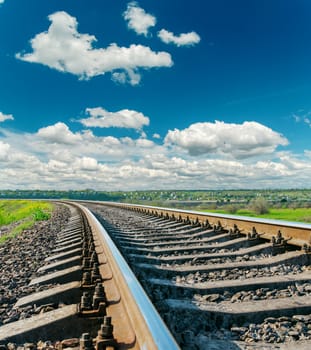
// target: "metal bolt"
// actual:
[[106, 329], [86, 279], [91, 246], [279, 238], [99, 295], [253, 234], [86, 302], [86, 263], [207, 224], [94, 258], [219, 227], [85, 252], [86, 342], [95, 274]]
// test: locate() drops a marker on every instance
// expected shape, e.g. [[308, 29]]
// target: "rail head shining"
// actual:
[[157, 335]]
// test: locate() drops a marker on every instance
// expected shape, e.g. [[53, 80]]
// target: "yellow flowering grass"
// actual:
[[22, 214]]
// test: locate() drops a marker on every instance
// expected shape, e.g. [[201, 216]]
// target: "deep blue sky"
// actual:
[[220, 100]]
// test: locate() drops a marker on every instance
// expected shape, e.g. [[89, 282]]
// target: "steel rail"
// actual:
[[295, 233], [206, 286], [151, 331]]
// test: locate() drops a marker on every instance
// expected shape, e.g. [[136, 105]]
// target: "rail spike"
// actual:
[[86, 342], [218, 228], [279, 240], [207, 224], [105, 339], [235, 231], [254, 235]]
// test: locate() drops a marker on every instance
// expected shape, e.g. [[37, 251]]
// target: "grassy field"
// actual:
[[21, 214], [287, 214]]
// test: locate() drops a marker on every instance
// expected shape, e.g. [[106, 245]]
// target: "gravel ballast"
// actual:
[[20, 257]]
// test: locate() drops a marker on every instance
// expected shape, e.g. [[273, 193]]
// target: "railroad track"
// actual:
[[218, 281], [85, 297]]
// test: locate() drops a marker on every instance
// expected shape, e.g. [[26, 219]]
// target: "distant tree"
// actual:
[[259, 206], [277, 205], [294, 205], [232, 208], [212, 206]]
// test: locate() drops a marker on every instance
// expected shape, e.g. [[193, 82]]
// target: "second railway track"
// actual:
[[219, 283]]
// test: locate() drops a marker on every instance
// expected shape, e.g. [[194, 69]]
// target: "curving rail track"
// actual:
[[88, 298], [218, 282]]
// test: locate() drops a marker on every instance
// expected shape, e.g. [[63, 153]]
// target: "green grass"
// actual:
[[23, 212], [287, 214]]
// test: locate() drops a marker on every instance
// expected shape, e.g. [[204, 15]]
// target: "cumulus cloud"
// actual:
[[125, 118], [238, 140], [4, 150], [88, 164], [60, 143], [59, 133], [137, 19], [294, 163], [58, 156], [4, 117], [63, 48], [184, 39]]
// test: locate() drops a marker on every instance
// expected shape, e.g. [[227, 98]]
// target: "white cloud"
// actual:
[[59, 133], [184, 39], [307, 121], [56, 156], [294, 163], [124, 118], [138, 19], [302, 116], [4, 150], [4, 117], [63, 48], [60, 143], [87, 163], [297, 118], [121, 78], [238, 140]]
